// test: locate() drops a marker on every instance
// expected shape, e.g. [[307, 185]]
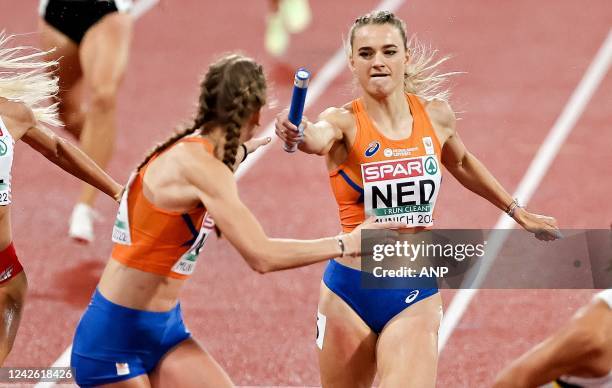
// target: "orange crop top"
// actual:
[[396, 180], [155, 240]]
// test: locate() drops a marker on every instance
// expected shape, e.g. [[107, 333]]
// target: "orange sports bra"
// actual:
[[155, 240], [396, 180]]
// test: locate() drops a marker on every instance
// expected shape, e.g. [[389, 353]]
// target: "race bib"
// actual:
[[121, 228], [6, 163], [402, 190], [186, 264]]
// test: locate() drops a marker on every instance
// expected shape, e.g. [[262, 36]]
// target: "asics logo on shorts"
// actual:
[[412, 296], [372, 148]]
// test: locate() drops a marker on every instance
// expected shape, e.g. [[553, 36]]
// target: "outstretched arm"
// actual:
[[71, 159], [250, 146], [217, 190], [474, 176], [318, 138]]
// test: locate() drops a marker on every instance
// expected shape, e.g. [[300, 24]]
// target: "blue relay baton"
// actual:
[[300, 86]]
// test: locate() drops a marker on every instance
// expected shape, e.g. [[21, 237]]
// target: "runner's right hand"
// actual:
[[286, 130]]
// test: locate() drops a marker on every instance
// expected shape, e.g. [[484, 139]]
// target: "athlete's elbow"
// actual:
[[263, 267], [311, 149], [259, 263]]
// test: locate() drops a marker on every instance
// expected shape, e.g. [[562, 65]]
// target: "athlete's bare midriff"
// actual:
[[133, 288]]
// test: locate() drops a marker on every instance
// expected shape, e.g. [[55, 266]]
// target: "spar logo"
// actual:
[[373, 147], [3, 148], [398, 183], [431, 166], [400, 169]]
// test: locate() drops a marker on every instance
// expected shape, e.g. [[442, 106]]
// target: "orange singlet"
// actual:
[[397, 180], [155, 240]]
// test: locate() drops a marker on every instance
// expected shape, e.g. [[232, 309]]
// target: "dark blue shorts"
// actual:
[[375, 306], [115, 343]]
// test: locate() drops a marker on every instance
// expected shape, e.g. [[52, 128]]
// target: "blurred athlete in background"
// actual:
[[91, 39]]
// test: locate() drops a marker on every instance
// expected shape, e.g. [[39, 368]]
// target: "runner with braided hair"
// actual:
[[164, 219]]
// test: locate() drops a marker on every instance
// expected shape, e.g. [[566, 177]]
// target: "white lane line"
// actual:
[[328, 73], [532, 178], [141, 7]]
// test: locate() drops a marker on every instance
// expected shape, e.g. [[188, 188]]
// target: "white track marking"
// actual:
[[142, 6], [531, 180]]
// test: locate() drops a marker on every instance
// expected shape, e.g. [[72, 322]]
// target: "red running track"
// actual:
[[522, 61]]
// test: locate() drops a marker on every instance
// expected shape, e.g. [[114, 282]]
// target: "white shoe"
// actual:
[[277, 38], [81, 223], [295, 14]]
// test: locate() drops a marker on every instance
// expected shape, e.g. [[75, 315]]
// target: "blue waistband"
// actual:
[[99, 302], [367, 280]]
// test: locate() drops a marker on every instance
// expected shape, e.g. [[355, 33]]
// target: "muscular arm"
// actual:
[[473, 175], [318, 137], [22, 124], [216, 188], [70, 158], [463, 165]]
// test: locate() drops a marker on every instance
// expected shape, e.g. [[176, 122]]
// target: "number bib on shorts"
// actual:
[[7, 145], [402, 190]]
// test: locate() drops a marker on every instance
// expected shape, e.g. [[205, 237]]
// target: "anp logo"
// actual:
[[372, 148]]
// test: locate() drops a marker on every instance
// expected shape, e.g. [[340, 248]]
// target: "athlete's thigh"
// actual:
[[407, 350], [66, 52], [189, 365], [345, 344], [104, 50], [12, 300]]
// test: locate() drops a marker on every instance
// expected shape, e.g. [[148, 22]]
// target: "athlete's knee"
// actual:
[[103, 97]]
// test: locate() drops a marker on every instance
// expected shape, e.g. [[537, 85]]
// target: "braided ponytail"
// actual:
[[240, 93]]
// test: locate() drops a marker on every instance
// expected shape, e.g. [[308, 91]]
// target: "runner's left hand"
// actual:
[[543, 227], [256, 142]]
